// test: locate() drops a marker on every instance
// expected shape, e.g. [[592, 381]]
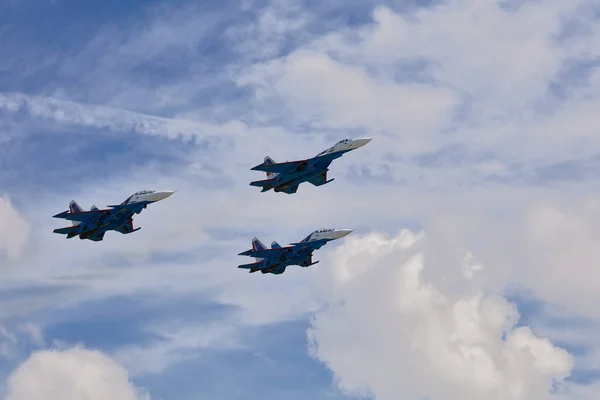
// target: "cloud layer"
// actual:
[[484, 118]]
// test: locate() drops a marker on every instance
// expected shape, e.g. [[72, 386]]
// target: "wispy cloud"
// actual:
[[483, 139]]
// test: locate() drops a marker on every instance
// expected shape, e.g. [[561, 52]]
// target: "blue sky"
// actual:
[[472, 267]]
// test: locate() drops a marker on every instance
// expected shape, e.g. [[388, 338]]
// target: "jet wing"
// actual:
[[86, 216], [81, 216], [133, 207], [310, 246], [266, 253], [283, 168]]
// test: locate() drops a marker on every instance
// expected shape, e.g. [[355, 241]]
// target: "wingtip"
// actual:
[[61, 214]]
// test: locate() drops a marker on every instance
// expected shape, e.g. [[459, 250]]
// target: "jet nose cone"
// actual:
[[162, 194], [361, 142], [340, 233]]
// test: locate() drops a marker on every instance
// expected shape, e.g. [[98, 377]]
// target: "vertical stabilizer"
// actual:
[[269, 161], [258, 245], [75, 208], [275, 245]]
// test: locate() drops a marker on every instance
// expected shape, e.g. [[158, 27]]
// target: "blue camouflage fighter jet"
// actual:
[[276, 259], [285, 177], [94, 223]]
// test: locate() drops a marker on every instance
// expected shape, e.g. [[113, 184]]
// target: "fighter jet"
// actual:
[[94, 223], [285, 177], [276, 259]]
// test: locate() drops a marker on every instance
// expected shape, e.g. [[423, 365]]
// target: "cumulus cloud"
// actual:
[[388, 331], [73, 374]]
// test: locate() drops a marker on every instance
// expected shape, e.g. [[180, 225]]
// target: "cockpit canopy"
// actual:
[[329, 150], [141, 192], [323, 230]]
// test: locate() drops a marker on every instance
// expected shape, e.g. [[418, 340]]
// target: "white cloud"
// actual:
[[13, 340], [479, 48], [34, 332], [561, 242], [179, 342], [319, 89], [389, 332], [112, 119], [464, 71], [263, 37], [400, 79], [7, 342], [74, 374], [14, 231]]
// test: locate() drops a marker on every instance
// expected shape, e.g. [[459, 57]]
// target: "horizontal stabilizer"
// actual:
[[253, 267], [263, 183], [67, 230]]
